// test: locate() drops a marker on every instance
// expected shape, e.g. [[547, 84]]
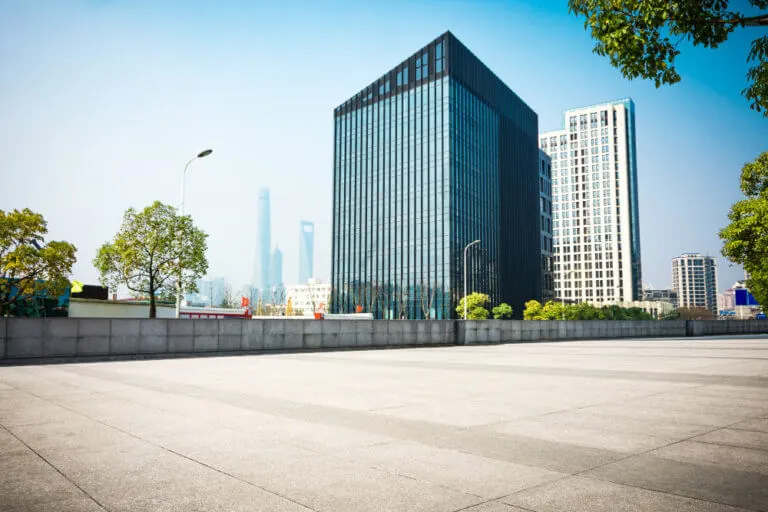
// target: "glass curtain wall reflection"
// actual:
[[419, 172]]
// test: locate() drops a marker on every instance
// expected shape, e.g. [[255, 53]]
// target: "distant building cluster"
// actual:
[[267, 283], [210, 293], [438, 153]]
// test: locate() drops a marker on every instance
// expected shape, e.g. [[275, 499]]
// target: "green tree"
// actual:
[[613, 313], [502, 312], [637, 314], [553, 311], [27, 263], [475, 310], [582, 311], [533, 310], [745, 239], [154, 249], [642, 37]]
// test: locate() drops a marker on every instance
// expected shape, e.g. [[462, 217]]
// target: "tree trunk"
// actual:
[[152, 307]]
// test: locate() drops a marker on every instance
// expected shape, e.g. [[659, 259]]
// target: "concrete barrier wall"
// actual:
[[24, 338], [29, 338], [505, 331]]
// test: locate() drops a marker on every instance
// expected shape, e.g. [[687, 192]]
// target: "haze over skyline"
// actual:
[[104, 102]]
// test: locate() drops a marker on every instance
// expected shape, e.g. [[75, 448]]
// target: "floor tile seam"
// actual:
[[735, 427], [67, 478], [694, 498], [547, 370], [192, 459], [623, 459], [346, 424], [394, 472], [449, 433], [349, 418], [672, 377], [152, 444], [164, 448], [731, 445], [277, 410], [585, 407], [493, 500]]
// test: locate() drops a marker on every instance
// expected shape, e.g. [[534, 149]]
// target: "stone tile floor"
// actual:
[[614, 425]]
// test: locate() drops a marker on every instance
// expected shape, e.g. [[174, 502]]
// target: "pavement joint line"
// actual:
[[726, 444], [585, 407], [330, 455], [325, 454], [690, 378], [630, 456], [667, 492], [348, 421], [158, 446], [100, 505], [490, 501]]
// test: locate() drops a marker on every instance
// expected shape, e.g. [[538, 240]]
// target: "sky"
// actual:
[[102, 102]]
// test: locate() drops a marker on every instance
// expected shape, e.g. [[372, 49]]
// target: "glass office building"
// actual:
[[435, 154]]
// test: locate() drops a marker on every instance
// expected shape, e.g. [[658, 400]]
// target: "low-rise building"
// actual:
[[310, 297], [738, 303], [657, 309], [651, 294]]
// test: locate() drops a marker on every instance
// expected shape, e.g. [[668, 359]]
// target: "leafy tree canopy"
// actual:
[[29, 265], [502, 312], [642, 37], [533, 310], [581, 311], [745, 239], [475, 310], [154, 249]]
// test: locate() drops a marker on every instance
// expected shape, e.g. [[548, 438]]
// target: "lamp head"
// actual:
[[204, 153]]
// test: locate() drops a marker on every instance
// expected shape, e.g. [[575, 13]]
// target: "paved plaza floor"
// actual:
[[624, 425]]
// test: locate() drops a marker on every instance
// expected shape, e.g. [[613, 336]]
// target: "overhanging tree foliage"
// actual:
[[641, 37], [28, 265], [745, 239], [154, 249]]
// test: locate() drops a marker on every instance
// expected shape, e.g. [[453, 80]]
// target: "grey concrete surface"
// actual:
[[608, 425]]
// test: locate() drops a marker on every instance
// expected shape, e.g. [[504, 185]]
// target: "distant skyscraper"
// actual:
[[261, 273], [695, 278], [306, 251], [594, 204], [276, 268]]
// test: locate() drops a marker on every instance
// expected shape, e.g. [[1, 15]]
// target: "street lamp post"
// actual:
[[179, 289], [465, 275]]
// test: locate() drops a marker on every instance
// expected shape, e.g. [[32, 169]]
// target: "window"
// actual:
[[422, 66], [439, 58], [402, 77]]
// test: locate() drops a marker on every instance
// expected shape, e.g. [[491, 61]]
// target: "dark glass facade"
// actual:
[[436, 153]]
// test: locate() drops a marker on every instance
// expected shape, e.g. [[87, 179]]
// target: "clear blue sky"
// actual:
[[103, 101]]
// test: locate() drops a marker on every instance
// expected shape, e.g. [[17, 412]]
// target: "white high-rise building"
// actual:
[[695, 278], [596, 227]]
